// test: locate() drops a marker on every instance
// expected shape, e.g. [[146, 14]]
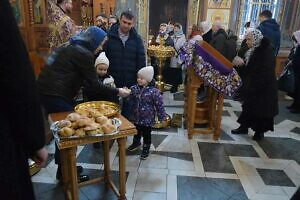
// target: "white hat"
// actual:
[[147, 73], [102, 59], [206, 26]]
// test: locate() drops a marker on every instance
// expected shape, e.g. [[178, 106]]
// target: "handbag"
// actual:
[[286, 81]]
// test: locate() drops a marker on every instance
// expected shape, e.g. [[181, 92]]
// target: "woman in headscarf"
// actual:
[[261, 102], [294, 58], [65, 71], [175, 76]]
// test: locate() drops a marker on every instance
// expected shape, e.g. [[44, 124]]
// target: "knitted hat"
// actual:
[[147, 73], [102, 59]]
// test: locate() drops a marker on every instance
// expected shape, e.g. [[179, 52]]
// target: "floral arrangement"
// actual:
[[218, 76]]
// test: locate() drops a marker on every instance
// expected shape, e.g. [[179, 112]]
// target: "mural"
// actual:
[[17, 10], [219, 15], [38, 10], [219, 4]]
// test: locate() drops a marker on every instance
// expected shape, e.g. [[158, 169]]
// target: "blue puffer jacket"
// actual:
[[147, 101], [125, 61], [271, 30]]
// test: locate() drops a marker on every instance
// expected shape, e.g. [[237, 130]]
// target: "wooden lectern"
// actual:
[[209, 111]]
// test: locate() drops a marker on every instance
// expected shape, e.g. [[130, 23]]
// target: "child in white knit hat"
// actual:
[[101, 65], [147, 103]]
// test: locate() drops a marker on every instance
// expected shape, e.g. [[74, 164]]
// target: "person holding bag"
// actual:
[[294, 64]]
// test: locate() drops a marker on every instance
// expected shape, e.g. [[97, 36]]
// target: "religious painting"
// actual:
[[38, 11], [16, 6], [219, 15], [219, 4]]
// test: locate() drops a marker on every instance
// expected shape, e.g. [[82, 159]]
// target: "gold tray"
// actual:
[[96, 105]]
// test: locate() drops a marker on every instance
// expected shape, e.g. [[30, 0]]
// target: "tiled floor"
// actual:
[[235, 167]]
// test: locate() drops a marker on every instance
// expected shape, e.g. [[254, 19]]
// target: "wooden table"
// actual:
[[68, 158]]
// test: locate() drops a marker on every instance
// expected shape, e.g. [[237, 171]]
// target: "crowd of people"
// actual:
[[107, 61]]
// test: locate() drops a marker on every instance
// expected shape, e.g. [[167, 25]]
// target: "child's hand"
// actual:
[[123, 92]]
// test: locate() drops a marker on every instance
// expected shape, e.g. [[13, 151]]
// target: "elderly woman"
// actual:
[[261, 101], [175, 75]]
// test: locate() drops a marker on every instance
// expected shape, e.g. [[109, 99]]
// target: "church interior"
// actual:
[[193, 155]]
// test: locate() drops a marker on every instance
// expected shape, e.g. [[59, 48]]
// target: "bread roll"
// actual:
[[64, 123], [101, 120], [73, 117], [66, 132], [108, 128], [79, 132]]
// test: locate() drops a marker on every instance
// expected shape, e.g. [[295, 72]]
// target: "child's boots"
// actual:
[[145, 152]]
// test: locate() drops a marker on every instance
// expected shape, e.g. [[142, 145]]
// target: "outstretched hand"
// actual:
[[124, 92]]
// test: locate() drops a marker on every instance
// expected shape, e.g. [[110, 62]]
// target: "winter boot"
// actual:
[[134, 146], [145, 152]]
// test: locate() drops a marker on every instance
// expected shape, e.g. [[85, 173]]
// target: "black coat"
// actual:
[[261, 98], [207, 36], [65, 71], [125, 61], [21, 122], [218, 41]]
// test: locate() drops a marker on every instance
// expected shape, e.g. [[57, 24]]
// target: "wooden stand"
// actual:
[[208, 112], [68, 158]]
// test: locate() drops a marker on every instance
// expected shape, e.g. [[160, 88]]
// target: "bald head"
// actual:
[[216, 26]]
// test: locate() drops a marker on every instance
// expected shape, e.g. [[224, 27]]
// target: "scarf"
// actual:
[[91, 38], [297, 36], [257, 36], [179, 32]]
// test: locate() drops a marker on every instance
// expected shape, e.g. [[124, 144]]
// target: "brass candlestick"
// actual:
[[161, 53]]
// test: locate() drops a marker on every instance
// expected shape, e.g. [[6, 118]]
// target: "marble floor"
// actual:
[[234, 167]]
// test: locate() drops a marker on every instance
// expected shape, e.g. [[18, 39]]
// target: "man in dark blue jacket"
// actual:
[[270, 29], [126, 54]]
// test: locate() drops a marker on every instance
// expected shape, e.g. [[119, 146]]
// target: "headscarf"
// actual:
[[179, 32], [296, 34], [91, 38], [165, 26], [257, 36]]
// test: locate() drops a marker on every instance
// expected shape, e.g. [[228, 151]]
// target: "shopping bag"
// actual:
[[286, 81]]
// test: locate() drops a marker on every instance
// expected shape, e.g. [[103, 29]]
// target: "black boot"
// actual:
[[258, 136], [145, 152], [134, 146], [240, 130], [80, 178]]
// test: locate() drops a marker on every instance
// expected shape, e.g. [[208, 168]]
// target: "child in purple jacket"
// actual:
[[147, 102]]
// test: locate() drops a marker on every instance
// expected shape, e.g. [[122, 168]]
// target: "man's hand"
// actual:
[[40, 157]]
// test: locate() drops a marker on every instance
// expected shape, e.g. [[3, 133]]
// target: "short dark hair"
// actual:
[[127, 14], [266, 13], [178, 25]]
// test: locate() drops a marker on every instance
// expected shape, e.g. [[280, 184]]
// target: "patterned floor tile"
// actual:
[[275, 177], [296, 130], [215, 156], [225, 113], [282, 148], [198, 188]]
